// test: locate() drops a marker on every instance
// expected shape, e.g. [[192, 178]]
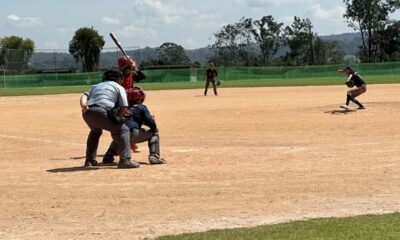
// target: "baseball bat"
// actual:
[[114, 38]]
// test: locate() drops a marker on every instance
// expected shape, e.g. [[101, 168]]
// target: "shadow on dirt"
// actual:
[[340, 111], [72, 169], [82, 168]]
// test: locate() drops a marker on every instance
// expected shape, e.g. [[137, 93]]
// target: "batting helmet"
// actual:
[[136, 95], [125, 62]]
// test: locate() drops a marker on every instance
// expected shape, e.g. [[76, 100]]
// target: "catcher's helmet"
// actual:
[[124, 62], [136, 95]]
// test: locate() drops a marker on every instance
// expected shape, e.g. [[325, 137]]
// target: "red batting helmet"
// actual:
[[124, 62], [136, 95]]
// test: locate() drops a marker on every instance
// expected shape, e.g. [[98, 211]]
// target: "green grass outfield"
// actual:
[[148, 85], [368, 227]]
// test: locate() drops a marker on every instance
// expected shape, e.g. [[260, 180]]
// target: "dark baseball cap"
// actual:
[[112, 74]]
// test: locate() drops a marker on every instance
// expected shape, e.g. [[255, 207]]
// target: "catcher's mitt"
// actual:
[[350, 84], [218, 82]]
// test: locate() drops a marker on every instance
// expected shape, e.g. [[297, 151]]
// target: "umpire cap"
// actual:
[[112, 75]]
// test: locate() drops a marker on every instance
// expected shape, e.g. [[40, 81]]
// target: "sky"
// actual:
[[51, 24]]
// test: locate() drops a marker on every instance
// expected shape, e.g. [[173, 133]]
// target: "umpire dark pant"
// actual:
[[97, 119]]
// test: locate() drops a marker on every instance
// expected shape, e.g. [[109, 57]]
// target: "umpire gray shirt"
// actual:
[[108, 95]]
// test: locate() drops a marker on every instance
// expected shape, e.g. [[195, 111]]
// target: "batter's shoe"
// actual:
[[126, 163], [91, 163], [135, 148], [345, 107], [154, 159], [361, 107]]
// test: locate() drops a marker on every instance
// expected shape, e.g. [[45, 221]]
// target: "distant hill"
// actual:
[[50, 60], [349, 42]]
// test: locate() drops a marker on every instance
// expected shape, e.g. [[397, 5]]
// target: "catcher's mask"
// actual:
[[124, 62], [136, 95]]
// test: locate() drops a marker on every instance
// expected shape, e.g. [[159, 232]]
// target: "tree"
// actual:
[[233, 44], [247, 53], [387, 42], [369, 17], [327, 52], [300, 38], [15, 52], [226, 44], [172, 54], [268, 35], [86, 46]]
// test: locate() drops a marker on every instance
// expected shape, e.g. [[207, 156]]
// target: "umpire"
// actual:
[[97, 107]]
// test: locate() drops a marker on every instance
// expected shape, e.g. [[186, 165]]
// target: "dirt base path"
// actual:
[[247, 157]]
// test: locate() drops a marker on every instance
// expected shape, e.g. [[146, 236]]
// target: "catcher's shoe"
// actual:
[[91, 163], [345, 107], [126, 163], [154, 159], [108, 158]]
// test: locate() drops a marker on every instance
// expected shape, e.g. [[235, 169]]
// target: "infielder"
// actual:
[[360, 88], [211, 76]]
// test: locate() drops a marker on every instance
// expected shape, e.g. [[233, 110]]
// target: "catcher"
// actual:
[[357, 85], [211, 76], [139, 115]]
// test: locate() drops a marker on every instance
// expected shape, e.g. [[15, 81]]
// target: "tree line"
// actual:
[[259, 42], [256, 42]]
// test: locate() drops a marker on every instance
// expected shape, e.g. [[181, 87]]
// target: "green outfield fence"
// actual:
[[191, 74]]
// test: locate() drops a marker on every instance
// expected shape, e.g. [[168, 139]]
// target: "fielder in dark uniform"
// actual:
[[360, 88], [137, 116], [96, 105], [211, 76]]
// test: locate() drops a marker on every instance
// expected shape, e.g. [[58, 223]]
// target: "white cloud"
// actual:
[[190, 43], [23, 22], [264, 3], [64, 30], [13, 17], [156, 11], [286, 19], [333, 14], [137, 32], [51, 45], [110, 21]]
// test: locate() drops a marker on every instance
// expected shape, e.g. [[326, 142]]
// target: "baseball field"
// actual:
[[248, 157]]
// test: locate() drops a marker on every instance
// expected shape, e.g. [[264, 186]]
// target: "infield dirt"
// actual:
[[247, 157]]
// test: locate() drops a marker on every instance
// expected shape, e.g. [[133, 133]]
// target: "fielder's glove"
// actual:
[[350, 84]]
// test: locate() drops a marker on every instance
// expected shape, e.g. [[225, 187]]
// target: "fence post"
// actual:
[[193, 74]]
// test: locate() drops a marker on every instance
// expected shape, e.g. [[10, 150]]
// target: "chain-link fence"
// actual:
[[17, 61], [58, 68], [190, 74]]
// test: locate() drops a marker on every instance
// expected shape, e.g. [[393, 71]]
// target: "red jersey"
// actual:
[[128, 82]]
